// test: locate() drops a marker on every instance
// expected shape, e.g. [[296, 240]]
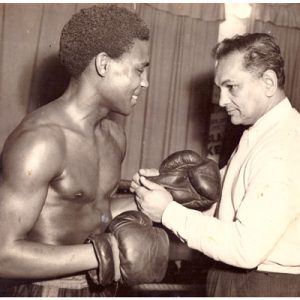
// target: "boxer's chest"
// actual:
[[78, 201], [91, 169]]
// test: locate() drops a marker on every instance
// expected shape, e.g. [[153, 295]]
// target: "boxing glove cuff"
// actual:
[[106, 251]]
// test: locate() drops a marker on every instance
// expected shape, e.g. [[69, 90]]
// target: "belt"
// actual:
[[222, 266]]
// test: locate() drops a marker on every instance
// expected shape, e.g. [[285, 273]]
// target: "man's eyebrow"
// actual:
[[146, 64], [226, 82]]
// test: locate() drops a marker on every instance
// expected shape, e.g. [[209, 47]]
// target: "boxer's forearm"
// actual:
[[121, 203], [34, 260]]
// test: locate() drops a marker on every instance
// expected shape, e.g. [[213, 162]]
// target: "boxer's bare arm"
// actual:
[[29, 162], [121, 203]]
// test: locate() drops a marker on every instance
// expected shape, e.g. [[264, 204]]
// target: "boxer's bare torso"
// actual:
[[86, 173], [57, 180]]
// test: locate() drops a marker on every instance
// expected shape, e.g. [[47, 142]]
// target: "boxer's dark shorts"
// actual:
[[74, 286]]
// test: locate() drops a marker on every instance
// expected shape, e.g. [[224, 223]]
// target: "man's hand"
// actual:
[[193, 180], [151, 198], [145, 173]]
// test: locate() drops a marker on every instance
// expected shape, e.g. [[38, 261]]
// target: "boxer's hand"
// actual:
[[144, 249], [133, 251], [151, 198]]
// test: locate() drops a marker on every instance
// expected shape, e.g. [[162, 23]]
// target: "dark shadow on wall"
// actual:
[[201, 88], [49, 82]]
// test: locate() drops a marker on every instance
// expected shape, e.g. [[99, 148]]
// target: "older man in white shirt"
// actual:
[[254, 232]]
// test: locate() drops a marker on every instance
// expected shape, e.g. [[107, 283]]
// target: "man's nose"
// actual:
[[224, 99], [144, 80]]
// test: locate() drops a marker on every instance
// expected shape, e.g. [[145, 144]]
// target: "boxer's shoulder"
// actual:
[[42, 145], [30, 135]]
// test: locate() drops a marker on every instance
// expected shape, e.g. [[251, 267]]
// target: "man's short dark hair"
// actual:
[[107, 28], [261, 53]]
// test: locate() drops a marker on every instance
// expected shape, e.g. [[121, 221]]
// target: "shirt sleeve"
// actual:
[[269, 206]]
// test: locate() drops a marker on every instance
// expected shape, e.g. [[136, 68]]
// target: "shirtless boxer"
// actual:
[[61, 165]]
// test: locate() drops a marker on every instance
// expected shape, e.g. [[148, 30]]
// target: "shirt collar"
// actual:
[[269, 119]]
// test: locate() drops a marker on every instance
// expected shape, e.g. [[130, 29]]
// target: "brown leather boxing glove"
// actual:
[[193, 181], [140, 254]]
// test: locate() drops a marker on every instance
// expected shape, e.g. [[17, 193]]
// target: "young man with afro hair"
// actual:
[[61, 166]]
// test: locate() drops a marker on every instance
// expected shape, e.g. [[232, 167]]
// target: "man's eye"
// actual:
[[140, 71], [231, 87]]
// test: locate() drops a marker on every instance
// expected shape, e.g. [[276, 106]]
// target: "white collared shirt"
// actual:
[[258, 222]]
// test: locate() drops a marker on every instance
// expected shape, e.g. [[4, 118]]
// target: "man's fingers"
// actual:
[[143, 187], [134, 186], [149, 184], [138, 204], [139, 190], [148, 172], [136, 178]]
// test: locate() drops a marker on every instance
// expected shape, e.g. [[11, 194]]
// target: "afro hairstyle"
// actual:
[[106, 28]]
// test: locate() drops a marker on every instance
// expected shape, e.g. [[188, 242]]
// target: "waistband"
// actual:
[[222, 266], [71, 282]]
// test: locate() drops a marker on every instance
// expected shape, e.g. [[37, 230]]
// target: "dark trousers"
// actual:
[[227, 281]]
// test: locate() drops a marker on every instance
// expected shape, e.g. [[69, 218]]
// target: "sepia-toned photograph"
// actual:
[[149, 149]]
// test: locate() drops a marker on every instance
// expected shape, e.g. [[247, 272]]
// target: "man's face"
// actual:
[[241, 92], [128, 76]]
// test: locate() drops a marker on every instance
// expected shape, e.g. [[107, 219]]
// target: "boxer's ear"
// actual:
[[102, 61]]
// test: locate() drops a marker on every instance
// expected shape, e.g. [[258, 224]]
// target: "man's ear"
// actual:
[[102, 61], [271, 83]]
